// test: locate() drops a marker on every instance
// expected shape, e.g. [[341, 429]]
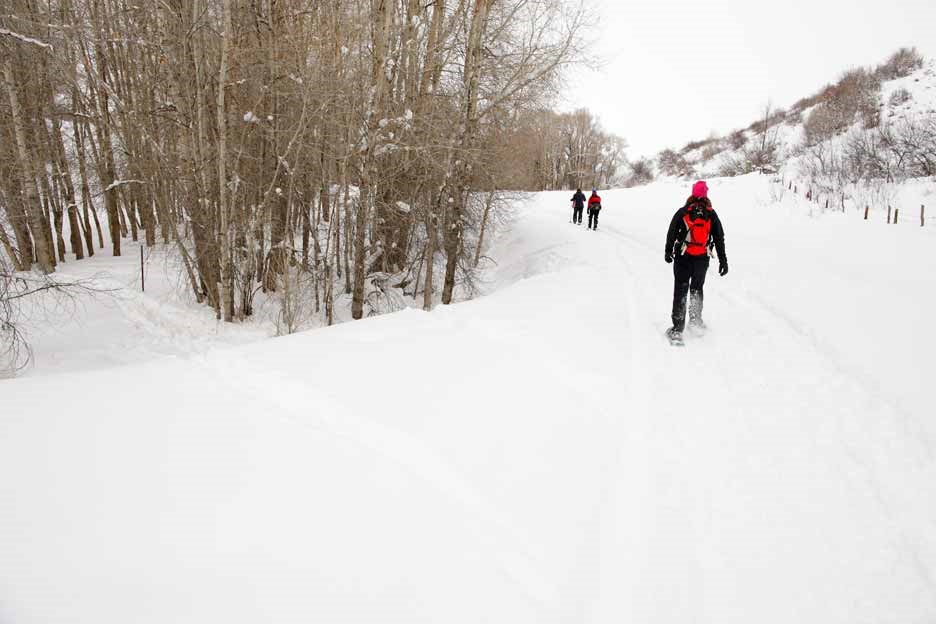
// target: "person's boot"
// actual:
[[674, 335], [695, 312]]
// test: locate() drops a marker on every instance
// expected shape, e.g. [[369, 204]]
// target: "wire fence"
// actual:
[[837, 203]]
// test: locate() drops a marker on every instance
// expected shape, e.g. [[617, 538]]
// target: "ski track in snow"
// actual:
[[568, 465]]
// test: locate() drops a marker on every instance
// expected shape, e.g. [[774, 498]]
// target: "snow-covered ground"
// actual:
[[540, 454], [121, 324]]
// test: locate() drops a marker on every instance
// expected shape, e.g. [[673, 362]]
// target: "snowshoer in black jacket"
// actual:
[[578, 205], [694, 232]]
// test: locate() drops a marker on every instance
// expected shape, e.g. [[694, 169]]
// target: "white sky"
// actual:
[[676, 71]]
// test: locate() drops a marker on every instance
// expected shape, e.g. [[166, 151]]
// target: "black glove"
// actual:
[[669, 258], [723, 268]]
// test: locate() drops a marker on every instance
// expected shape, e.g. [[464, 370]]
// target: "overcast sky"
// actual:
[[676, 71]]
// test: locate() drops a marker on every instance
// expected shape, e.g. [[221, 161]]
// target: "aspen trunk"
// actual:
[[430, 256], [20, 224], [347, 226], [484, 221], [74, 224], [106, 165], [382, 21], [227, 274], [10, 250], [455, 225], [53, 193], [360, 226], [86, 205], [33, 208], [50, 205]]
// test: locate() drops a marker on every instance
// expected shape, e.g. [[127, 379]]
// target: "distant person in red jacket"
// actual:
[[594, 207]]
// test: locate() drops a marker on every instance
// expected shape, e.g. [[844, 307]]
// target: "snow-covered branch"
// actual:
[[117, 183], [25, 39]]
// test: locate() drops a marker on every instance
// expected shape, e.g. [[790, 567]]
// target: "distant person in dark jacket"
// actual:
[[594, 207], [578, 205], [694, 232]]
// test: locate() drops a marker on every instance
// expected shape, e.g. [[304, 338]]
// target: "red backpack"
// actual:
[[698, 220]]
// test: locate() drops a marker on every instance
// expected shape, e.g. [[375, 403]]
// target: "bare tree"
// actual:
[[240, 134]]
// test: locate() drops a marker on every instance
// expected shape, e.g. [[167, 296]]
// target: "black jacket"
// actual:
[[579, 199], [678, 230]]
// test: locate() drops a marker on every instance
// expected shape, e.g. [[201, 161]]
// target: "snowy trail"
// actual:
[[540, 454], [827, 415], [818, 416]]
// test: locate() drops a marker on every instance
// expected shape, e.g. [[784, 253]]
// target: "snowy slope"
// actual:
[[537, 455], [715, 154]]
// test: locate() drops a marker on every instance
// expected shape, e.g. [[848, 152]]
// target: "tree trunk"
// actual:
[[472, 75], [360, 226], [16, 215], [382, 22], [74, 224], [86, 204], [430, 256], [484, 222], [33, 207], [227, 274]]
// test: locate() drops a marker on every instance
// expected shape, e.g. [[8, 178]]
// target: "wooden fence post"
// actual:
[[142, 273], [888, 212], [896, 214], [922, 215], [866, 212]]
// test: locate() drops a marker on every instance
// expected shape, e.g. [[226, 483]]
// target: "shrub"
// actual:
[[900, 96], [669, 163], [804, 103], [855, 94], [901, 64], [694, 145], [794, 119], [712, 150], [641, 172], [737, 139], [733, 166]]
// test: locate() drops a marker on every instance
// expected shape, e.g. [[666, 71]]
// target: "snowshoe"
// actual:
[[697, 328], [675, 337]]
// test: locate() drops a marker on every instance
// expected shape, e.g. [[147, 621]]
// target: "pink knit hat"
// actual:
[[700, 189]]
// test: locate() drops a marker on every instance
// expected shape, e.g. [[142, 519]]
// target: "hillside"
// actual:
[[863, 103], [539, 454]]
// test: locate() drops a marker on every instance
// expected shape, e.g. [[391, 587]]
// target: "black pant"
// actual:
[[593, 217], [577, 214], [689, 272]]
